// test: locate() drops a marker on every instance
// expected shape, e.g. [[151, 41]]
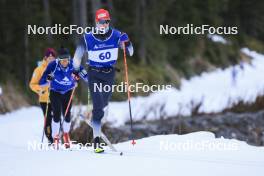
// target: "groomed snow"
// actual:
[[157, 155], [214, 92]]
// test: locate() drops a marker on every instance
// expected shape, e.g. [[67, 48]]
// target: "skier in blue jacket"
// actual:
[[102, 48], [62, 79]]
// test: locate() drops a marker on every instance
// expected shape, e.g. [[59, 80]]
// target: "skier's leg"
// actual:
[[48, 130], [109, 81], [98, 105], [56, 108], [67, 119], [47, 127], [43, 107], [97, 115], [97, 112]]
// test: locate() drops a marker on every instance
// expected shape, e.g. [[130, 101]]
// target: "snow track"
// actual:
[[147, 157]]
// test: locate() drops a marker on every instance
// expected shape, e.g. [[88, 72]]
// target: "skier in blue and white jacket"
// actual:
[[102, 48], [62, 79]]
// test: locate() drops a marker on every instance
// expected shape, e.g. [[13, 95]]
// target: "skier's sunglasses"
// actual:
[[63, 58], [104, 21]]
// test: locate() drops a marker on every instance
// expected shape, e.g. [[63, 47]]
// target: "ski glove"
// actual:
[[124, 37], [83, 73], [41, 92], [50, 77], [80, 74], [75, 75]]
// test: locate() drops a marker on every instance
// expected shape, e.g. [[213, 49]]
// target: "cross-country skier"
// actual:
[[62, 82], [50, 55], [102, 48]]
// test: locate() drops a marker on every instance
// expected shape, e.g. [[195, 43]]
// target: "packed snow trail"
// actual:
[[150, 156]]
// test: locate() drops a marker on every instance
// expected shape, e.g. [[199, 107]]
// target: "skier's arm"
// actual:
[[83, 74], [129, 48], [77, 59], [50, 68], [128, 44], [34, 86]]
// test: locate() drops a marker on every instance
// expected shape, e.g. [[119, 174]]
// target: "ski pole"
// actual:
[[128, 93], [88, 99], [67, 109], [45, 117]]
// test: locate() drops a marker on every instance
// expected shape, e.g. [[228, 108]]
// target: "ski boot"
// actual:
[[66, 139], [50, 141], [56, 142], [97, 145]]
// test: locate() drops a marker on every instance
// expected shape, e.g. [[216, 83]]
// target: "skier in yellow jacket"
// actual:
[[42, 92]]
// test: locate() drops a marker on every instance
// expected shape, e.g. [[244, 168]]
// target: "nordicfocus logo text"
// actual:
[[192, 145], [190, 29], [122, 87], [58, 29], [39, 146]]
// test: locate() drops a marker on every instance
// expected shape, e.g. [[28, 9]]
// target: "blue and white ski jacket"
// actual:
[[63, 80], [101, 53]]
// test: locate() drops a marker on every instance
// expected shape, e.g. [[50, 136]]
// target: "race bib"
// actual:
[[102, 56]]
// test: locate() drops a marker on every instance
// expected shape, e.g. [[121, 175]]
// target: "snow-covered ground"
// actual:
[[213, 92], [193, 154]]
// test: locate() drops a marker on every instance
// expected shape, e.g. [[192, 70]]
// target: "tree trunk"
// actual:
[[96, 4], [110, 7], [26, 50], [83, 13], [47, 19], [83, 23], [141, 30], [75, 20]]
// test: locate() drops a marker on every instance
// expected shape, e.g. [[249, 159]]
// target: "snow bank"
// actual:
[[212, 92]]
